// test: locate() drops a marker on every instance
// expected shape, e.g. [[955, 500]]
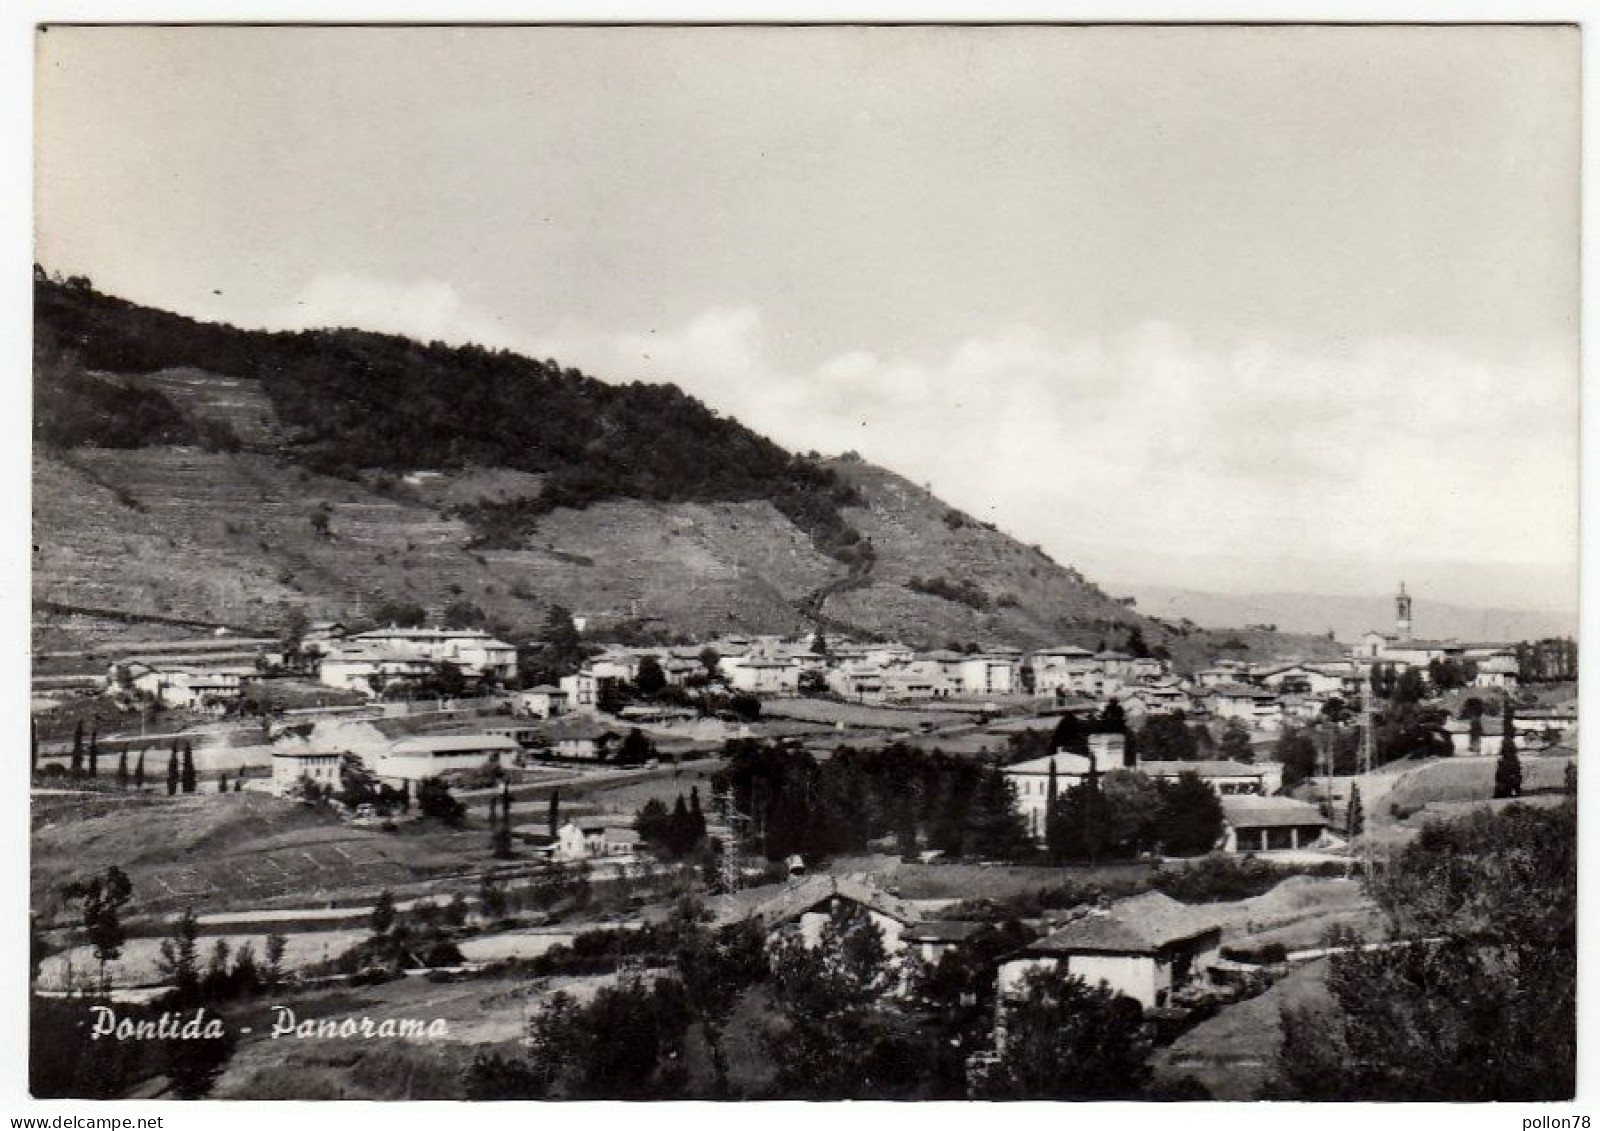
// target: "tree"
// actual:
[[401, 614], [716, 968], [1062, 1039], [1135, 645], [1296, 752], [178, 961], [357, 784], [635, 749], [138, 772], [222, 781], [1167, 738], [839, 1042], [1191, 816], [650, 678], [463, 614], [710, 659], [122, 769], [435, 800], [172, 771], [1477, 999], [77, 750], [383, 913], [1508, 770], [1071, 736], [187, 776], [1355, 819], [272, 975], [1236, 743], [491, 899], [94, 751], [554, 818], [103, 897], [500, 836]]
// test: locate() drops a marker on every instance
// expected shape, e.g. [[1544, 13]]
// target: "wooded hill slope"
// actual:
[[199, 471]]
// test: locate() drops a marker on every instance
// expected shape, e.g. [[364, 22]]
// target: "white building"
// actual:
[[987, 675], [371, 670], [171, 685], [475, 652], [1030, 780], [542, 702], [291, 765], [762, 677], [429, 755], [590, 838]]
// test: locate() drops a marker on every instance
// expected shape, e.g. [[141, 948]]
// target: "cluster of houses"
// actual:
[[1150, 947], [383, 659]]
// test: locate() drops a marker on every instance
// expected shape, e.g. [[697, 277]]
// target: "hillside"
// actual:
[[202, 473]]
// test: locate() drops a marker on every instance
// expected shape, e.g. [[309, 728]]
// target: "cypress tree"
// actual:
[[172, 771], [122, 770], [505, 803], [94, 751], [238, 782], [77, 750], [1355, 819], [1052, 815], [222, 782], [1508, 771], [405, 796], [188, 778], [698, 818], [555, 811], [138, 772]]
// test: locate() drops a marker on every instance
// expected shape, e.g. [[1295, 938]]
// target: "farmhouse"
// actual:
[[291, 764], [542, 702], [1270, 824], [194, 689], [807, 905], [591, 837], [1148, 948]]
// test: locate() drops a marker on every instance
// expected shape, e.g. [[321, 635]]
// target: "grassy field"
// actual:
[[1469, 779], [217, 851], [1234, 1053], [858, 715]]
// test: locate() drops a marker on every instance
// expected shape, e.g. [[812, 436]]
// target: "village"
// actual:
[[1192, 841]]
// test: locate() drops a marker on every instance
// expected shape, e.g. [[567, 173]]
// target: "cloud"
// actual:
[[1240, 450], [424, 309]]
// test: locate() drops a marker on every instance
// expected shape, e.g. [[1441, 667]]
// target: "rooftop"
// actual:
[[1141, 925], [1251, 812]]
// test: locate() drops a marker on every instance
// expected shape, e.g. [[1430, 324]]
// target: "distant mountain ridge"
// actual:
[[1348, 617]]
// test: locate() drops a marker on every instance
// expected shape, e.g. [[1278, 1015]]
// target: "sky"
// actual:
[[1232, 309]]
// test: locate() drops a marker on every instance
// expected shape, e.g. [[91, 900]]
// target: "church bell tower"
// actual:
[[1402, 613]]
